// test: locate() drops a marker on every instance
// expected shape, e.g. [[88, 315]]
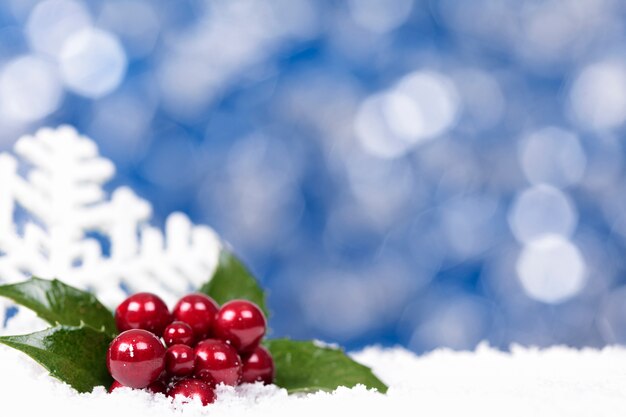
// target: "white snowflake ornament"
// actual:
[[56, 221]]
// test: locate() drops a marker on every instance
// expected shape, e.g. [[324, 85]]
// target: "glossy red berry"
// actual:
[[179, 360], [198, 311], [115, 385], [143, 311], [193, 388], [136, 358], [217, 362], [157, 387], [241, 323], [259, 366], [178, 333]]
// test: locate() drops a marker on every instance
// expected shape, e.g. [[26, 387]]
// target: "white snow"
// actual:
[[526, 382], [559, 381]]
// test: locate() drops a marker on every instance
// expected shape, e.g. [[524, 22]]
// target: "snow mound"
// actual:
[[525, 382]]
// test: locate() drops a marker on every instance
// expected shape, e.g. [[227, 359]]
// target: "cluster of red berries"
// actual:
[[190, 350]]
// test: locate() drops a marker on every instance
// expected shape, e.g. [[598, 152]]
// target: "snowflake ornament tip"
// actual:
[[56, 220]]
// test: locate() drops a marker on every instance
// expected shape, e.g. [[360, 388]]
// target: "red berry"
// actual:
[[115, 385], [216, 362], [179, 360], [143, 311], [136, 358], [259, 366], [178, 333], [157, 387], [193, 388], [198, 311], [240, 323]]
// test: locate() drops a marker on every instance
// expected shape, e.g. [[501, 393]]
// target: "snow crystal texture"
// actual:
[[526, 382]]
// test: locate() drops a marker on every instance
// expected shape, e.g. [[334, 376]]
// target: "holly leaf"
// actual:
[[59, 303], [308, 366], [232, 280], [75, 355]]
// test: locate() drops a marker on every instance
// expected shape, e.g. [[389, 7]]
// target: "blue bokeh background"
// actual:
[[422, 173]]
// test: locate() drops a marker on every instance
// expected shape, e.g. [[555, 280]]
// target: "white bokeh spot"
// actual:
[[598, 95], [92, 63], [551, 269], [30, 89], [436, 98], [52, 22], [540, 210], [554, 156], [380, 16], [373, 130], [421, 107]]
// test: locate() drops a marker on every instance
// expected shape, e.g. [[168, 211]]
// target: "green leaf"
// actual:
[[58, 303], [307, 367], [232, 280], [75, 355]]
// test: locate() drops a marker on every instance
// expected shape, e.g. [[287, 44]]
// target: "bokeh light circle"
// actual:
[[422, 106], [136, 22], [30, 89], [380, 15], [540, 210], [598, 95], [554, 156], [551, 269], [52, 22], [373, 130], [436, 98], [92, 63]]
